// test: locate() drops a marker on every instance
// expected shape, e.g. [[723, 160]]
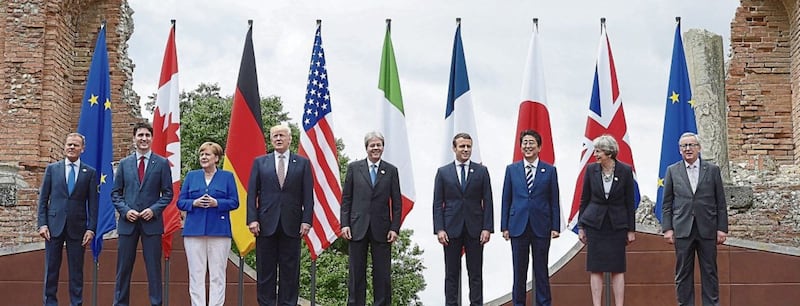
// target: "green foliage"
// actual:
[[332, 273]]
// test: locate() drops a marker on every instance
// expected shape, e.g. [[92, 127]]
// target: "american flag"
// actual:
[[606, 116], [319, 146]]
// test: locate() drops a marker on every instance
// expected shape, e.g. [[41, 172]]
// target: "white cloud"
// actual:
[[210, 36]]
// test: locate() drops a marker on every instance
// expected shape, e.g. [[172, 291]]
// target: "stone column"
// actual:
[[706, 64]]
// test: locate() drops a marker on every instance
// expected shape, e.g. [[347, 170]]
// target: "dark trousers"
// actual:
[[538, 248], [381, 272], [706, 250], [278, 263], [126, 256], [472, 248], [53, 250]]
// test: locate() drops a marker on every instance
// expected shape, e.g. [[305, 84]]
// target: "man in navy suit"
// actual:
[[142, 189], [280, 207], [530, 217], [462, 219], [370, 218], [67, 214], [695, 220]]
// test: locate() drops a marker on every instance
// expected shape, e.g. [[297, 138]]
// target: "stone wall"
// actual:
[[47, 48]]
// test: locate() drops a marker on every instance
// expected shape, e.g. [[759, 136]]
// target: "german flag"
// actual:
[[245, 141]]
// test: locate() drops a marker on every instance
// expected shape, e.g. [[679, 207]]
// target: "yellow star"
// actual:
[[107, 104], [691, 103], [660, 182], [103, 178], [93, 100], [674, 97]]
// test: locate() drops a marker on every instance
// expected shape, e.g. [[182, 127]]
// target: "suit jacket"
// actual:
[[539, 209], [619, 207], [270, 204], [454, 209], [154, 192], [60, 210], [706, 207], [211, 221], [365, 206]]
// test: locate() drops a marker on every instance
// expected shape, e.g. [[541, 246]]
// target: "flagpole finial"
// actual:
[[319, 22], [388, 24], [103, 23], [535, 24], [458, 20], [250, 23], [678, 19], [602, 20]]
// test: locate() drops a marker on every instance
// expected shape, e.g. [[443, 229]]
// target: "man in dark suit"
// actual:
[[530, 217], [463, 219], [67, 214], [280, 207], [370, 217], [142, 189], [695, 220]]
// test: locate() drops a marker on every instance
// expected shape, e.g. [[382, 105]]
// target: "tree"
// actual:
[[332, 273]]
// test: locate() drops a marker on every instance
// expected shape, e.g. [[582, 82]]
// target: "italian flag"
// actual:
[[396, 149]]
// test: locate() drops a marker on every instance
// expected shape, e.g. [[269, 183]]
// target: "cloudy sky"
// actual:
[[210, 37]]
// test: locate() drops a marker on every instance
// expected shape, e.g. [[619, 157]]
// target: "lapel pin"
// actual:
[[83, 170], [294, 160], [383, 171], [616, 179], [542, 170], [471, 170]]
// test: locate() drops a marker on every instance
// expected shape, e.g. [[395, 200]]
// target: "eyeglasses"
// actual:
[[689, 145]]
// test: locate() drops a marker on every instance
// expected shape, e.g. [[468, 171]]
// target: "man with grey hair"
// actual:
[[370, 218], [695, 220]]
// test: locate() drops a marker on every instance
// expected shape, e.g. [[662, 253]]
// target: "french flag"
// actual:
[[459, 116], [606, 116]]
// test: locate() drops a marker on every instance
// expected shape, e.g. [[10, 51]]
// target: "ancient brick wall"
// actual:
[[759, 87], [47, 48]]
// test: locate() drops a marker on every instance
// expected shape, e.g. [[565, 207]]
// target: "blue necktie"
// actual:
[[373, 173], [463, 177], [71, 178], [529, 177]]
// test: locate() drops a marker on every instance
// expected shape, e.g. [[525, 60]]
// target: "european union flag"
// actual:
[[679, 116], [95, 125]]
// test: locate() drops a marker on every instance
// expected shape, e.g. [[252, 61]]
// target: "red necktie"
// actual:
[[141, 169]]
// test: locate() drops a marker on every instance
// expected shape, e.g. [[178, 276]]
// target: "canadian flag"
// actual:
[[167, 136]]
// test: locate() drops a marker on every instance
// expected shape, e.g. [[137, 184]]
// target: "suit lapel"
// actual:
[[703, 167], [615, 180], [60, 177], [363, 168]]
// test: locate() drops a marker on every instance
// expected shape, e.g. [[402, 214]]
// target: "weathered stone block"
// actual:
[[739, 197]]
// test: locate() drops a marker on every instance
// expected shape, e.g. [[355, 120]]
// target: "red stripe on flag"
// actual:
[[535, 116]]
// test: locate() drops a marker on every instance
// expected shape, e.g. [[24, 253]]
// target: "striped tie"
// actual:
[[529, 177]]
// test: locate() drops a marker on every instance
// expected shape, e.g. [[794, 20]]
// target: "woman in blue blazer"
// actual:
[[607, 218], [207, 196]]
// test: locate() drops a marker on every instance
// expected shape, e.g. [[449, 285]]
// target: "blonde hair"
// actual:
[[213, 146]]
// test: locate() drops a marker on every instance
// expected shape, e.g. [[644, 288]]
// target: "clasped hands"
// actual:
[[133, 215], [205, 201]]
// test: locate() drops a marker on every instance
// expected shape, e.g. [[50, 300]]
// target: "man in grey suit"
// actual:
[[370, 217], [67, 214], [695, 220], [142, 189], [280, 208], [463, 219]]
